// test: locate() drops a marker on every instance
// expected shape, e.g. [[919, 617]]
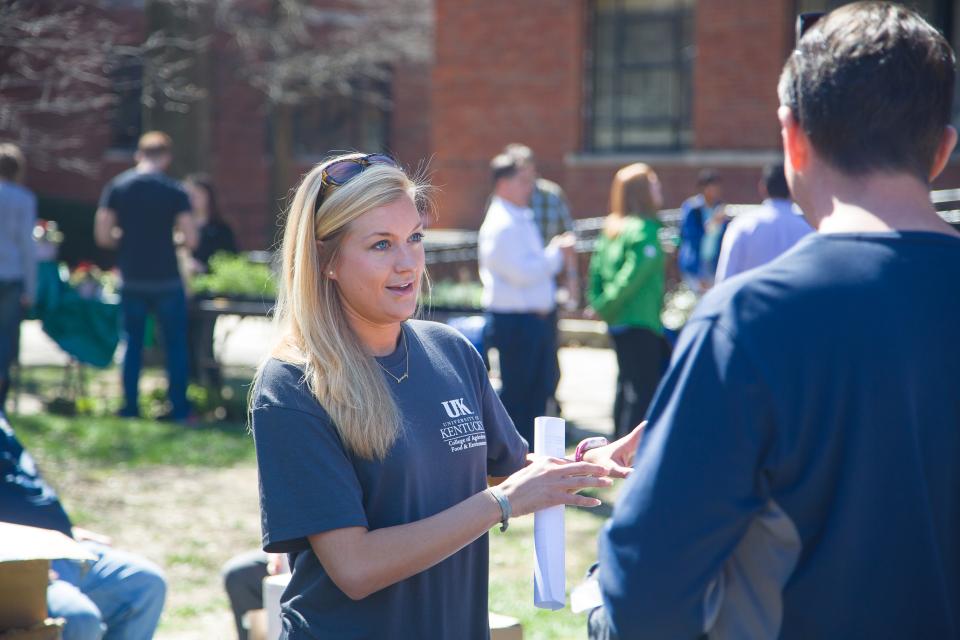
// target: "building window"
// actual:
[[641, 75], [343, 123], [126, 126]]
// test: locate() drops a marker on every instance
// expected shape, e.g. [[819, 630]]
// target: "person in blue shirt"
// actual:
[[798, 477], [18, 263], [702, 226], [119, 596]]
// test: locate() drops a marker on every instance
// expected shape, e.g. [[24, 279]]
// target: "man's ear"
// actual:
[[944, 150], [796, 144]]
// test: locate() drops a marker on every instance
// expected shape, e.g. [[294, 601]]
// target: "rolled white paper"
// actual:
[[549, 576]]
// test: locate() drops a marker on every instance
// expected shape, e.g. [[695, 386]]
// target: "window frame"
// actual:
[[124, 72], [679, 122], [384, 90]]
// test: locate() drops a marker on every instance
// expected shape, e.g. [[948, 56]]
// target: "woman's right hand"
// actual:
[[548, 482]]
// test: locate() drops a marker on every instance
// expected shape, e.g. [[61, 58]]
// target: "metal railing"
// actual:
[[461, 246]]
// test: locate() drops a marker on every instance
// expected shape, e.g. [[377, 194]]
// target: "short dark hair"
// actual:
[[707, 177], [775, 181], [11, 162], [505, 165], [871, 84]]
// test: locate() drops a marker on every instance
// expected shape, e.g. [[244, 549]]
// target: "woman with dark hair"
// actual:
[[215, 234], [626, 290]]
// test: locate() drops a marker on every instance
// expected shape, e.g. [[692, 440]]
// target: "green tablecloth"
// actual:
[[87, 329]]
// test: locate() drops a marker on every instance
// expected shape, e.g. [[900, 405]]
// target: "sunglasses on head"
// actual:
[[337, 174]]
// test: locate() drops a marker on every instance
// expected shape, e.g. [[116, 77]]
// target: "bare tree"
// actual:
[[63, 62], [53, 67], [298, 50], [59, 64]]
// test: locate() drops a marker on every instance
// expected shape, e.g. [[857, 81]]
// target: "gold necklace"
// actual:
[[406, 351]]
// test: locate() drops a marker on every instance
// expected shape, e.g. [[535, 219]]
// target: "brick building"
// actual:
[[590, 85]]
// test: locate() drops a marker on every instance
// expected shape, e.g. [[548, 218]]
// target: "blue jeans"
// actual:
[[170, 309], [11, 311], [118, 597]]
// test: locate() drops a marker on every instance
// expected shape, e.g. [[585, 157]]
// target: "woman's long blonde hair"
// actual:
[[315, 334]]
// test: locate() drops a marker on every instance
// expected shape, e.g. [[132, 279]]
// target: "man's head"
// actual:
[[11, 163], [155, 147], [522, 152], [773, 184], [868, 89], [513, 178], [709, 184]]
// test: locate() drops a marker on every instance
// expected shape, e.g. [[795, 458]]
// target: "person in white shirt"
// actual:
[[518, 275], [757, 237]]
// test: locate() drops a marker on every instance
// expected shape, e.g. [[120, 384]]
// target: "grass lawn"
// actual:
[[187, 499]]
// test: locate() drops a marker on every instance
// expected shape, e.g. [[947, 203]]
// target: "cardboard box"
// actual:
[[25, 556], [505, 627], [49, 629], [255, 622]]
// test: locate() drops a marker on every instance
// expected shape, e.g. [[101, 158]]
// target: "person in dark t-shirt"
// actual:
[[799, 477], [375, 434], [139, 212]]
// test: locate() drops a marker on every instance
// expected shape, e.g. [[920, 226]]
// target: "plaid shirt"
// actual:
[[550, 211]]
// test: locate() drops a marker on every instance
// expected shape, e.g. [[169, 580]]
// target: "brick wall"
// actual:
[[239, 163], [410, 119], [589, 186], [504, 72], [502, 75], [741, 48]]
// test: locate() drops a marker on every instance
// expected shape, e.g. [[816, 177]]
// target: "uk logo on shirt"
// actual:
[[464, 430], [456, 408]]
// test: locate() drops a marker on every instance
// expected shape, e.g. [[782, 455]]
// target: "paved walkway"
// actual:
[[586, 385]]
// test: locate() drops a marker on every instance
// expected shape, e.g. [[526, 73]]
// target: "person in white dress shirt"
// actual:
[[757, 237], [518, 274]]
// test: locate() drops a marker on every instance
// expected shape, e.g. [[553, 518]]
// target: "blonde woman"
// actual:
[[376, 434], [626, 282]]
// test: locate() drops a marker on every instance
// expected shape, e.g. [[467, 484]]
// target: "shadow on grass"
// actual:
[[119, 442]]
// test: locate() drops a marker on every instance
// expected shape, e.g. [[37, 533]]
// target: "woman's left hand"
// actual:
[[617, 456]]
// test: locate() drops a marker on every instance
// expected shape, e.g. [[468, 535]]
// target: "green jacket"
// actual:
[[627, 276]]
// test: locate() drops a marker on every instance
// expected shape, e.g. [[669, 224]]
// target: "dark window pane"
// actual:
[[604, 135], [642, 61], [649, 94], [126, 125], [649, 40], [342, 123]]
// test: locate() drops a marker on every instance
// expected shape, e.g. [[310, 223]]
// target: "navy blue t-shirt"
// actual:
[[25, 497], [455, 433], [800, 475], [146, 205]]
